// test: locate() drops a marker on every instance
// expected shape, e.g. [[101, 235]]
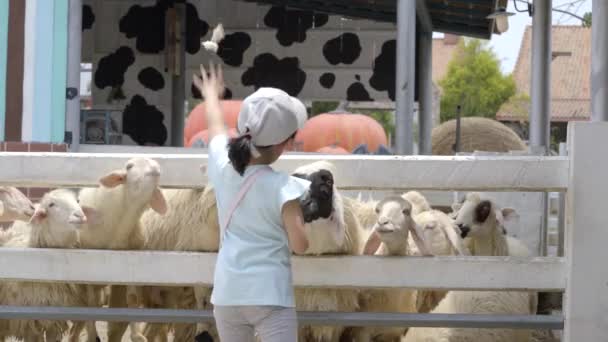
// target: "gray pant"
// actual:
[[271, 323]]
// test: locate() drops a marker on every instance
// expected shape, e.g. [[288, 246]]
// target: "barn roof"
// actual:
[[570, 76], [462, 17]]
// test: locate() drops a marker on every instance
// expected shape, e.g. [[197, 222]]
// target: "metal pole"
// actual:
[[425, 97], [541, 77], [561, 211], [456, 147], [179, 80], [540, 117], [599, 56], [72, 121], [404, 86]]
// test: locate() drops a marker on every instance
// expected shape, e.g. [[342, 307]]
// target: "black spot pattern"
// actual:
[[144, 122], [147, 25], [111, 68], [227, 94], [383, 77], [292, 25], [345, 49], [195, 29], [268, 71], [357, 92], [233, 47], [88, 18], [358, 77], [327, 80], [151, 78]]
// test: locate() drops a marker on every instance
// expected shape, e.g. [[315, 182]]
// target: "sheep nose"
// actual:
[[464, 230], [383, 221]]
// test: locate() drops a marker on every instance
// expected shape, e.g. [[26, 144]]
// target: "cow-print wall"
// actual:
[[310, 55]]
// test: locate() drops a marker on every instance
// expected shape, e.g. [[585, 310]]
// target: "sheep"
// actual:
[[339, 233], [14, 205], [54, 224], [443, 236], [390, 237], [482, 221], [191, 224], [367, 216], [120, 200]]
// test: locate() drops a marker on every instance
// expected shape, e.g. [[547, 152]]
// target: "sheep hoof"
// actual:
[[203, 337]]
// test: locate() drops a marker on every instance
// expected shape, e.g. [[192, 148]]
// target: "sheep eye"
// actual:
[[51, 205], [129, 166]]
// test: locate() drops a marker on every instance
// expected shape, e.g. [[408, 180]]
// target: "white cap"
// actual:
[[270, 116]]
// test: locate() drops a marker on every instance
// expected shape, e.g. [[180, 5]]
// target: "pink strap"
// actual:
[[241, 194]]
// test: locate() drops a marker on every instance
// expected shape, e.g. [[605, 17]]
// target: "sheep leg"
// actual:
[[52, 335], [93, 297], [75, 331], [118, 299], [200, 295], [134, 298]]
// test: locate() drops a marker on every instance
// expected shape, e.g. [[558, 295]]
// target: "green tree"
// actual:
[[474, 81], [587, 19]]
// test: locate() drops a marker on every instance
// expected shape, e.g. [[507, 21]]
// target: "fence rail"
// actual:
[[313, 318], [136, 268], [467, 173]]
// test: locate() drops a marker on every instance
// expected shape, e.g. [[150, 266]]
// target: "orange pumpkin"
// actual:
[[197, 120], [332, 150], [204, 136], [340, 129]]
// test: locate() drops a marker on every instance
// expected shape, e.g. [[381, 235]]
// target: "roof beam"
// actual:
[[462, 30], [422, 11]]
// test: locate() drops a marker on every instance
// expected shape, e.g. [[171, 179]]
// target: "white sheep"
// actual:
[[389, 237], [366, 210], [443, 237], [191, 224], [480, 219], [120, 200], [14, 205], [340, 233], [53, 225]]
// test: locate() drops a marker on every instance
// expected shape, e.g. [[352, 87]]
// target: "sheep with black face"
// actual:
[[317, 203], [331, 228]]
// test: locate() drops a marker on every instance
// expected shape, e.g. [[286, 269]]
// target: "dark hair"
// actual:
[[239, 152]]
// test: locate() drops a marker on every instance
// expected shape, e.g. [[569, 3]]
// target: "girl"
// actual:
[[260, 216]]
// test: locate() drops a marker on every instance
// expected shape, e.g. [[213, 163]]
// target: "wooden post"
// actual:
[[586, 306]]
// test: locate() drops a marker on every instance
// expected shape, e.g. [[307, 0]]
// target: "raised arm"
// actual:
[[211, 87]]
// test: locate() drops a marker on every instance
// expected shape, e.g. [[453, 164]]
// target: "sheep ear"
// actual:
[[158, 202], [1, 208], [114, 179], [92, 214], [455, 239], [509, 214], [456, 206], [39, 216], [423, 248], [372, 244], [339, 232]]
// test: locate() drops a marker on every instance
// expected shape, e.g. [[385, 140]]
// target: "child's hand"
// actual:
[[210, 85]]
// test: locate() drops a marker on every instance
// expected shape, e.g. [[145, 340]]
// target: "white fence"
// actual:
[[582, 175]]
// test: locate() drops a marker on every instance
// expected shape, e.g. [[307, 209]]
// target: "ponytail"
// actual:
[[239, 153]]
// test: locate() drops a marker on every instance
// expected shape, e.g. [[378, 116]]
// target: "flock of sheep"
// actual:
[[128, 211]]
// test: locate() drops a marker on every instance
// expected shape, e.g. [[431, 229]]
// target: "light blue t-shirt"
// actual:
[[253, 265]]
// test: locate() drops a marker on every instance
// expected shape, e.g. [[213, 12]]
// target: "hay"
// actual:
[[476, 134]]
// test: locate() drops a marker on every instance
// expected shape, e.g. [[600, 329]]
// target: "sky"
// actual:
[[506, 45]]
